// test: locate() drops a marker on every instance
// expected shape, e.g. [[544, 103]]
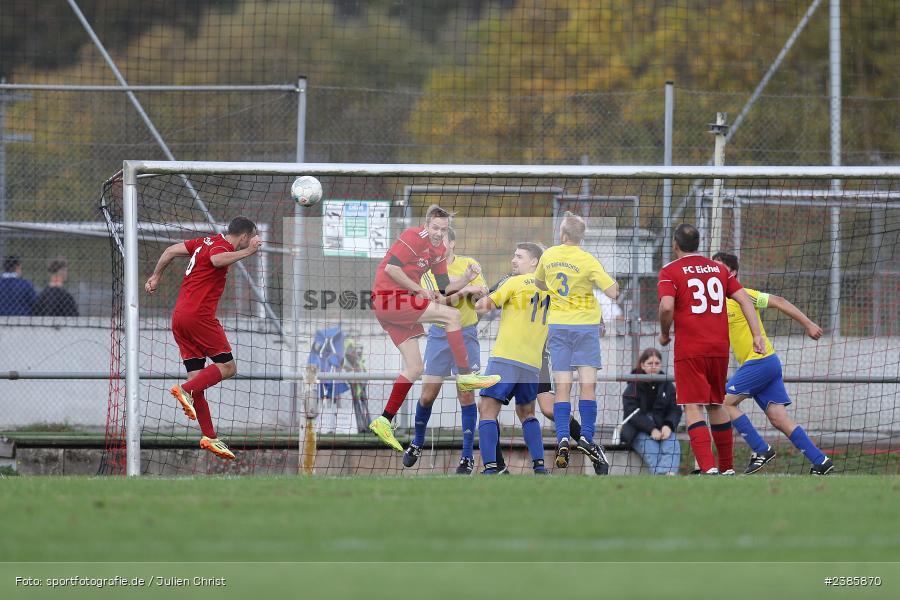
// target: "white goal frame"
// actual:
[[132, 169]]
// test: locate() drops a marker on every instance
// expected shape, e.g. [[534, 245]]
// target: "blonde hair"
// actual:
[[436, 212], [572, 227]]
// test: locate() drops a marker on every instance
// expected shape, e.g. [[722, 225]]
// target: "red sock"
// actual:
[[203, 416], [398, 395], [724, 439], [206, 378], [701, 444], [458, 348]]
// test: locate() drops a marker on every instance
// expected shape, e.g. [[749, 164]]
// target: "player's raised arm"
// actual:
[[394, 270], [455, 285], [784, 306], [225, 259], [485, 305], [168, 255]]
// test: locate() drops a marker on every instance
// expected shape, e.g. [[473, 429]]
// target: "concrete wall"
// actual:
[[69, 345], [70, 461]]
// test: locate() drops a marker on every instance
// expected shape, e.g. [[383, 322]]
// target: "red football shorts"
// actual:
[[398, 313], [199, 337], [701, 379]]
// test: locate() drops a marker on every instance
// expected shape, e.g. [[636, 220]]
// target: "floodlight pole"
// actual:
[[154, 132], [757, 92], [669, 122], [720, 130], [7, 97]]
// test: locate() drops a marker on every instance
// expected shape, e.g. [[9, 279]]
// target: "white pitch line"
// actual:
[[745, 541]]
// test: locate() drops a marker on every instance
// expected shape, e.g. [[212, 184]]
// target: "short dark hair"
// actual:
[[56, 265], [687, 237], [241, 225], [535, 250], [436, 212], [11, 263], [729, 260]]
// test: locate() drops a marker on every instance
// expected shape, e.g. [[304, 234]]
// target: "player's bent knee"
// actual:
[[778, 417], [486, 404], [227, 365], [525, 411], [454, 321], [693, 412], [430, 390], [413, 372], [731, 400]]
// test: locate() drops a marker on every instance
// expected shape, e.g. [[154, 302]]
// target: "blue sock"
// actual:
[[531, 431], [588, 410], [469, 414], [750, 435], [488, 436], [561, 413], [806, 446], [422, 415]]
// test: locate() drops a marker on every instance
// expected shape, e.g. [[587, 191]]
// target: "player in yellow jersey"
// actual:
[[439, 358], [570, 274], [516, 357], [760, 376]]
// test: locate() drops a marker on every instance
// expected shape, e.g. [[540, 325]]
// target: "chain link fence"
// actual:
[[59, 145], [394, 81]]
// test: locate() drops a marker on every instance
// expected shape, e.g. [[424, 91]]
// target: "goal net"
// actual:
[[314, 366]]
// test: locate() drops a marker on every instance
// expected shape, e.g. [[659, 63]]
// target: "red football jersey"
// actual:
[[414, 249], [203, 283], [700, 288]]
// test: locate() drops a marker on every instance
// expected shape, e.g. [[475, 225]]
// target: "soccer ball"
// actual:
[[306, 190]]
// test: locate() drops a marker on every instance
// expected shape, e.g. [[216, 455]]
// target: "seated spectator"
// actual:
[[651, 431], [16, 294], [55, 300]]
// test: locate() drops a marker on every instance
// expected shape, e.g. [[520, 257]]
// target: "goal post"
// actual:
[[488, 199]]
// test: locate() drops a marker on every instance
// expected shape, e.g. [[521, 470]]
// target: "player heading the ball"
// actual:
[[692, 293], [197, 332], [439, 359], [402, 305]]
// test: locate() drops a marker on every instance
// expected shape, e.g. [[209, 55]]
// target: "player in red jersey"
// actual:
[[197, 331], [692, 293], [401, 305]]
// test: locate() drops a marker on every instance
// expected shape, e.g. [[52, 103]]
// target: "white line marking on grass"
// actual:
[[746, 541]]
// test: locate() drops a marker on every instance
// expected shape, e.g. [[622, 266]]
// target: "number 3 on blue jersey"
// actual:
[[535, 303], [564, 290]]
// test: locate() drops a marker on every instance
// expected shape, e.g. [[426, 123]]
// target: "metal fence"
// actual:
[[58, 143]]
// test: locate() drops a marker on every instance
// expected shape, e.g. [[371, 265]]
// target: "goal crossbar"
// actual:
[[133, 168]]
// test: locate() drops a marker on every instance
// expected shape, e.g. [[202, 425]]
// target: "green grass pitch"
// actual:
[[556, 521]]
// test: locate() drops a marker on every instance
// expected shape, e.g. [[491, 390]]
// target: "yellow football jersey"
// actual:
[[523, 321], [455, 270], [739, 332], [571, 274]]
